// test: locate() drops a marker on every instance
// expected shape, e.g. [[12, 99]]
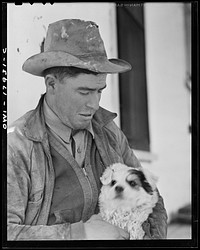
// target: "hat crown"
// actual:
[[76, 37], [74, 43]]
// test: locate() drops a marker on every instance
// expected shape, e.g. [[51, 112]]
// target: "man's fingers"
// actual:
[[96, 217], [124, 234]]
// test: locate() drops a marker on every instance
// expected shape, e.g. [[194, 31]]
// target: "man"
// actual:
[[57, 152]]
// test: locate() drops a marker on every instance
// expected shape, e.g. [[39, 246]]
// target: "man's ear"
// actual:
[[50, 81]]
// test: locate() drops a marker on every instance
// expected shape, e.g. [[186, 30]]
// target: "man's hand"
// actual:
[[98, 229], [146, 228]]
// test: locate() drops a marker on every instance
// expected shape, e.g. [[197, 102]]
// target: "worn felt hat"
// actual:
[[77, 43]]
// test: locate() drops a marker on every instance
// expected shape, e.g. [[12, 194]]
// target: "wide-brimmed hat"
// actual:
[[77, 43]]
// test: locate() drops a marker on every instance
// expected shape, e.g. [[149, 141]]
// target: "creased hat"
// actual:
[[77, 43]]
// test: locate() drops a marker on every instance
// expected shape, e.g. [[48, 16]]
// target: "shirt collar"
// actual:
[[55, 124]]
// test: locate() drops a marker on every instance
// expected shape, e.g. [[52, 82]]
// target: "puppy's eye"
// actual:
[[132, 183], [112, 182]]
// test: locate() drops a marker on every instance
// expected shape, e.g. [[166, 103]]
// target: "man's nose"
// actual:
[[93, 101]]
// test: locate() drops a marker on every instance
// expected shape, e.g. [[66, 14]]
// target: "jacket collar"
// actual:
[[35, 128]]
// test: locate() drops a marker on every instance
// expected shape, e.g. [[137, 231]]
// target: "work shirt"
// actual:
[[71, 191]]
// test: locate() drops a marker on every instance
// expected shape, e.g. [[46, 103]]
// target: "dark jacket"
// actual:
[[31, 177]]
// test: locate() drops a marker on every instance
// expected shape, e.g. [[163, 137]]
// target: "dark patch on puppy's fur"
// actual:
[[145, 184]]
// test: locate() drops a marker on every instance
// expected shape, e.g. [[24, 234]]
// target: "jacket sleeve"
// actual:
[[18, 187], [156, 225], [42, 232]]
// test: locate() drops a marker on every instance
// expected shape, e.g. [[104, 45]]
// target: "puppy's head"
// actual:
[[126, 187]]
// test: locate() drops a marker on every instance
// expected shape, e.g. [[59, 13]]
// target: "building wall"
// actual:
[[169, 101], [27, 26]]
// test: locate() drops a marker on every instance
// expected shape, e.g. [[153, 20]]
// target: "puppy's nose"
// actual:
[[119, 189]]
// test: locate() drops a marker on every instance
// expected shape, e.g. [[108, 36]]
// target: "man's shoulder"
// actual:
[[20, 122], [104, 116], [105, 119], [15, 131]]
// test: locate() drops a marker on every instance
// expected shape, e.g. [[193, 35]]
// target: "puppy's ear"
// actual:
[[106, 178], [151, 178], [118, 167]]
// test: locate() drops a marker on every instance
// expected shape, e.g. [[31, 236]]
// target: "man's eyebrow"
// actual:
[[91, 89]]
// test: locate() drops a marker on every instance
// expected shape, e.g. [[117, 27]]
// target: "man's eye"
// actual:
[[84, 92]]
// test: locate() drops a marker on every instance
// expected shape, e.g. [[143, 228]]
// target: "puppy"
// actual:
[[127, 197]]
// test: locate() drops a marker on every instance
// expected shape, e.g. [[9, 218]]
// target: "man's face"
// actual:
[[76, 99]]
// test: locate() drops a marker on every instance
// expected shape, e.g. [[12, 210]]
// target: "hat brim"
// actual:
[[36, 64]]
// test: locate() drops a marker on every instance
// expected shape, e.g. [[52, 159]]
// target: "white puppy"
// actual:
[[127, 197]]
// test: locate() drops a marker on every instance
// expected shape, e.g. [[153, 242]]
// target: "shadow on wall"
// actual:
[[183, 215], [180, 224]]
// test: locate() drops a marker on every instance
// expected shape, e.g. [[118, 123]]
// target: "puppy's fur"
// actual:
[[127, 197]]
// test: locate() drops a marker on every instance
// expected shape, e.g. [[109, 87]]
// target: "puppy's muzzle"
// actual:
[[119, 189]]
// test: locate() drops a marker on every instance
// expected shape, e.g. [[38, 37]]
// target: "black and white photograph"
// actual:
[[98, 124]]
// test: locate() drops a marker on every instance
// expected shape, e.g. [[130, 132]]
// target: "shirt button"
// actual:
[[79, 150]]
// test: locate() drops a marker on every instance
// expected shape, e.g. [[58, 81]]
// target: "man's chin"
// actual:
[[82, 125]]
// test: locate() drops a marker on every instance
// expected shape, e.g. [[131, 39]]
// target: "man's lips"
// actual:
[[86, 114], [89, 116]]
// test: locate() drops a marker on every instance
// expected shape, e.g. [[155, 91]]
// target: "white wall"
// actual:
[[27, 26], [169, 104]]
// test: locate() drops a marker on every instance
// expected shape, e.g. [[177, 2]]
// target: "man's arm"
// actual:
[[18, 188], [156, 225], [21, 215], [41, 232]]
